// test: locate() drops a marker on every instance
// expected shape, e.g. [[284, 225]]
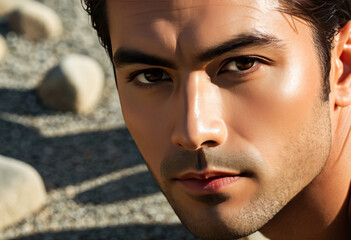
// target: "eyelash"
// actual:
[[244, 73], [133, 75], [241, 74], [131, 78]]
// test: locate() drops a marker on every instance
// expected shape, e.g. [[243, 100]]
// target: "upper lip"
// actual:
[[206, 175]]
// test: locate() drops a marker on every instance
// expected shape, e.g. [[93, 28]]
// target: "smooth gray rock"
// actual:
[[3, 48], [21, 189], [35, 21], [75, 84]]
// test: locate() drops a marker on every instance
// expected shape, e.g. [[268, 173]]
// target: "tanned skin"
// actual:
[[224, 101]]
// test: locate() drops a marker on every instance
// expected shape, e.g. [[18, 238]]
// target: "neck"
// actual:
[[322, 210]]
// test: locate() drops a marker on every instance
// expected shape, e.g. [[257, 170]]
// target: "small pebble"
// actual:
[[21, 189], [35, 21], [75, 84]]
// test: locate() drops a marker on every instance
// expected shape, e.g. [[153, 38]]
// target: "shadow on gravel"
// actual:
[[72, 159], [4, 29], [124, 189], [23, 102], [128, 232]]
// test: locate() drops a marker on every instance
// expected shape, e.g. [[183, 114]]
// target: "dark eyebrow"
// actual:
[[244, 40], [125, 56]]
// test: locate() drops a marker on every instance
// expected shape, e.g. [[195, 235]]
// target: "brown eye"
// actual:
[[245, 63], [151, 76], [240, 64]]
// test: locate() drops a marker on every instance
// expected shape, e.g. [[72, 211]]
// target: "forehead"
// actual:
[[184, 12], [178, 26]]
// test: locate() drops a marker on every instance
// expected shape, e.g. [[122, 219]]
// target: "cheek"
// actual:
[[147, 123], [269, 110]]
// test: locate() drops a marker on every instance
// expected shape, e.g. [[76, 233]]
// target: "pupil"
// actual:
[[154, 75], [245, 63]]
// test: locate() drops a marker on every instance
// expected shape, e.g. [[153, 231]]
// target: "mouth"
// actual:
[[209, 181]]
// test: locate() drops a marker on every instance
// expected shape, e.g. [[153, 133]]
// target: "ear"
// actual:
[[340, 81]]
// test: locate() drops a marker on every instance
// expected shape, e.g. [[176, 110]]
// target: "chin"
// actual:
[[217, 229], [224, 221]]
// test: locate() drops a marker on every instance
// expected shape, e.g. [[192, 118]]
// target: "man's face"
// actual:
[[223, 99]]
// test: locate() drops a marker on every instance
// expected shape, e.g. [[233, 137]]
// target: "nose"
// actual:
[[198, 121]]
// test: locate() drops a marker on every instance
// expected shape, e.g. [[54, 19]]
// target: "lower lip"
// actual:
[[208, 185]]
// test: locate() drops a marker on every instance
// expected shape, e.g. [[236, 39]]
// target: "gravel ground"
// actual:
[[98, 186]]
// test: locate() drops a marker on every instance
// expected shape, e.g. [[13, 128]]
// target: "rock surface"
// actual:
[[75, 84], [7, 6], [3, 48], [35, 21], [21, 189]]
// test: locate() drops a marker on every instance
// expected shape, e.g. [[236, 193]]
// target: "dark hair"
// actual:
[[326, 18], [98, 16]]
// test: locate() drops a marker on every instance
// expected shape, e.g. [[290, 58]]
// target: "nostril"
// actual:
[[193, 135], [209, 143], [186, 144]]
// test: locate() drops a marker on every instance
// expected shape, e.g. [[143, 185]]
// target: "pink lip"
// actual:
[[207, 182]]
